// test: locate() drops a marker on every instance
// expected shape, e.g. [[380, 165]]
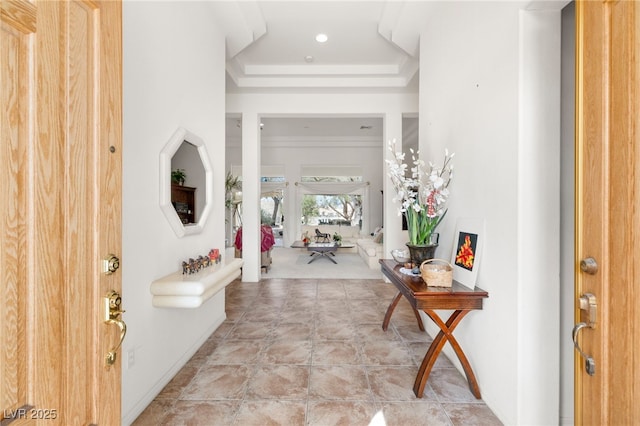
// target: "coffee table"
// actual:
[[319, 250]]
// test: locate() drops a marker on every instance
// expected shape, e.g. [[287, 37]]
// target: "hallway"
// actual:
[[312, 352]]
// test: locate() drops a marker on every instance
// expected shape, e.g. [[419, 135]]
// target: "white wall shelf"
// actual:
[[191, 291]]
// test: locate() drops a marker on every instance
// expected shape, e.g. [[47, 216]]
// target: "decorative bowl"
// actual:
[[401, 255]]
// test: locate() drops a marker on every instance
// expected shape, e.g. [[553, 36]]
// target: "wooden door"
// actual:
[[60, 180], [608, 208]]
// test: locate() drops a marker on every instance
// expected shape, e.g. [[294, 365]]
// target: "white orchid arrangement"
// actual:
[[423, 194]]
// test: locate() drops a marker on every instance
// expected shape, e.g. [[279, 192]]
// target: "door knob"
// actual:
[[589, 306], [112, 304], [589, 362], [589, 266]]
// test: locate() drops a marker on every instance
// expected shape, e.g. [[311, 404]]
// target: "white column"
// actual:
[[251, 197], [393, 235], [538, 228]]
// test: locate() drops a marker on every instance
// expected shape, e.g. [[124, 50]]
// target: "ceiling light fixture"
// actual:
[[321, 38], [308, 58]]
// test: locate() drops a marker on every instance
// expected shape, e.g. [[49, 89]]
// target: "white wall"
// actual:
[[173, 76], [489, 91]]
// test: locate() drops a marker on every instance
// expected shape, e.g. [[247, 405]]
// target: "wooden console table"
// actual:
[[427, 299]]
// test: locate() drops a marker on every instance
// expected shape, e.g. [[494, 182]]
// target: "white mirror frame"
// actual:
[[166, 155]]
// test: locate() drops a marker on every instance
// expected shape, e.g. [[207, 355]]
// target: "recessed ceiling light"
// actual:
[[308, 58], [321, 38]]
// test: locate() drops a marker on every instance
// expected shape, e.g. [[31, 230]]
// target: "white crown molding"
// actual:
[[321, 82], [311, 70], [313, 142]]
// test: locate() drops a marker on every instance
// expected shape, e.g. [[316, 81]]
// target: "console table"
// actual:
[[427, 299]]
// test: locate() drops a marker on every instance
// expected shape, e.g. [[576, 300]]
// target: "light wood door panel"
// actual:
[[60, 203], [608, 207], [16, 132]]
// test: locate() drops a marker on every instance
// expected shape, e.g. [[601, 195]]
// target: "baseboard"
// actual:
[[129, 417]]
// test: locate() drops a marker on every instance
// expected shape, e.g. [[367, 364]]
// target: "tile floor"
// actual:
[[312, 352]]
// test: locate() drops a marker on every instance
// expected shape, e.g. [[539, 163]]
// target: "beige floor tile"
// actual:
[[272, 413], [339, 382], [297, 314], [340, 413], [303, 290], [313, 352], [155, 413], [331, 329], [285, 351], [218, 382], [335, 352], [293, 330], [414, 413], [386, 353], [419, 350], [450, 386], [375, 332], [250, 330], [384, 291], [237, 352], [471, 414], [395, 384], [360, 290], [223, 330], [202, 413], [262, 315], [175, 387], [279, 382], [331, 290], [411, 332], [367, 316]]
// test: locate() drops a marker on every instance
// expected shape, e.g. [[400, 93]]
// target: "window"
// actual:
[[333, 200]]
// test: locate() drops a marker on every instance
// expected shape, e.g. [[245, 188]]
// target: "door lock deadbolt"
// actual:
[[110, 264]]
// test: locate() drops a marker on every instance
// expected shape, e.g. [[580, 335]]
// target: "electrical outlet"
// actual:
[[131, 358]]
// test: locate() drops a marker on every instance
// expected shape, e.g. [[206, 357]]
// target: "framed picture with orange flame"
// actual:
[[467, 250]]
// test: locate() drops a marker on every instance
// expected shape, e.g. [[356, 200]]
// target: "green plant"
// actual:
[[232, 185], [265, 218], [309, 208], [178, 176]]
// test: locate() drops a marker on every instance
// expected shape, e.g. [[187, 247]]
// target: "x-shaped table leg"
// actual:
[[392, 307], [445, 334]]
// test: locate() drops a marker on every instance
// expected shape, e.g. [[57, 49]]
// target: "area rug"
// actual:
[[293, 263]]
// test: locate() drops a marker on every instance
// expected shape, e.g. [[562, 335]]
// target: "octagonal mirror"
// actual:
[[185, 182]]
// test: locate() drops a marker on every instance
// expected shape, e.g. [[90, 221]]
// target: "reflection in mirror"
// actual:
[[187, 188], [185, 183]]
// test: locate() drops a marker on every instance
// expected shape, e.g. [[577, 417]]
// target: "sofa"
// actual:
[[370, 249]]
